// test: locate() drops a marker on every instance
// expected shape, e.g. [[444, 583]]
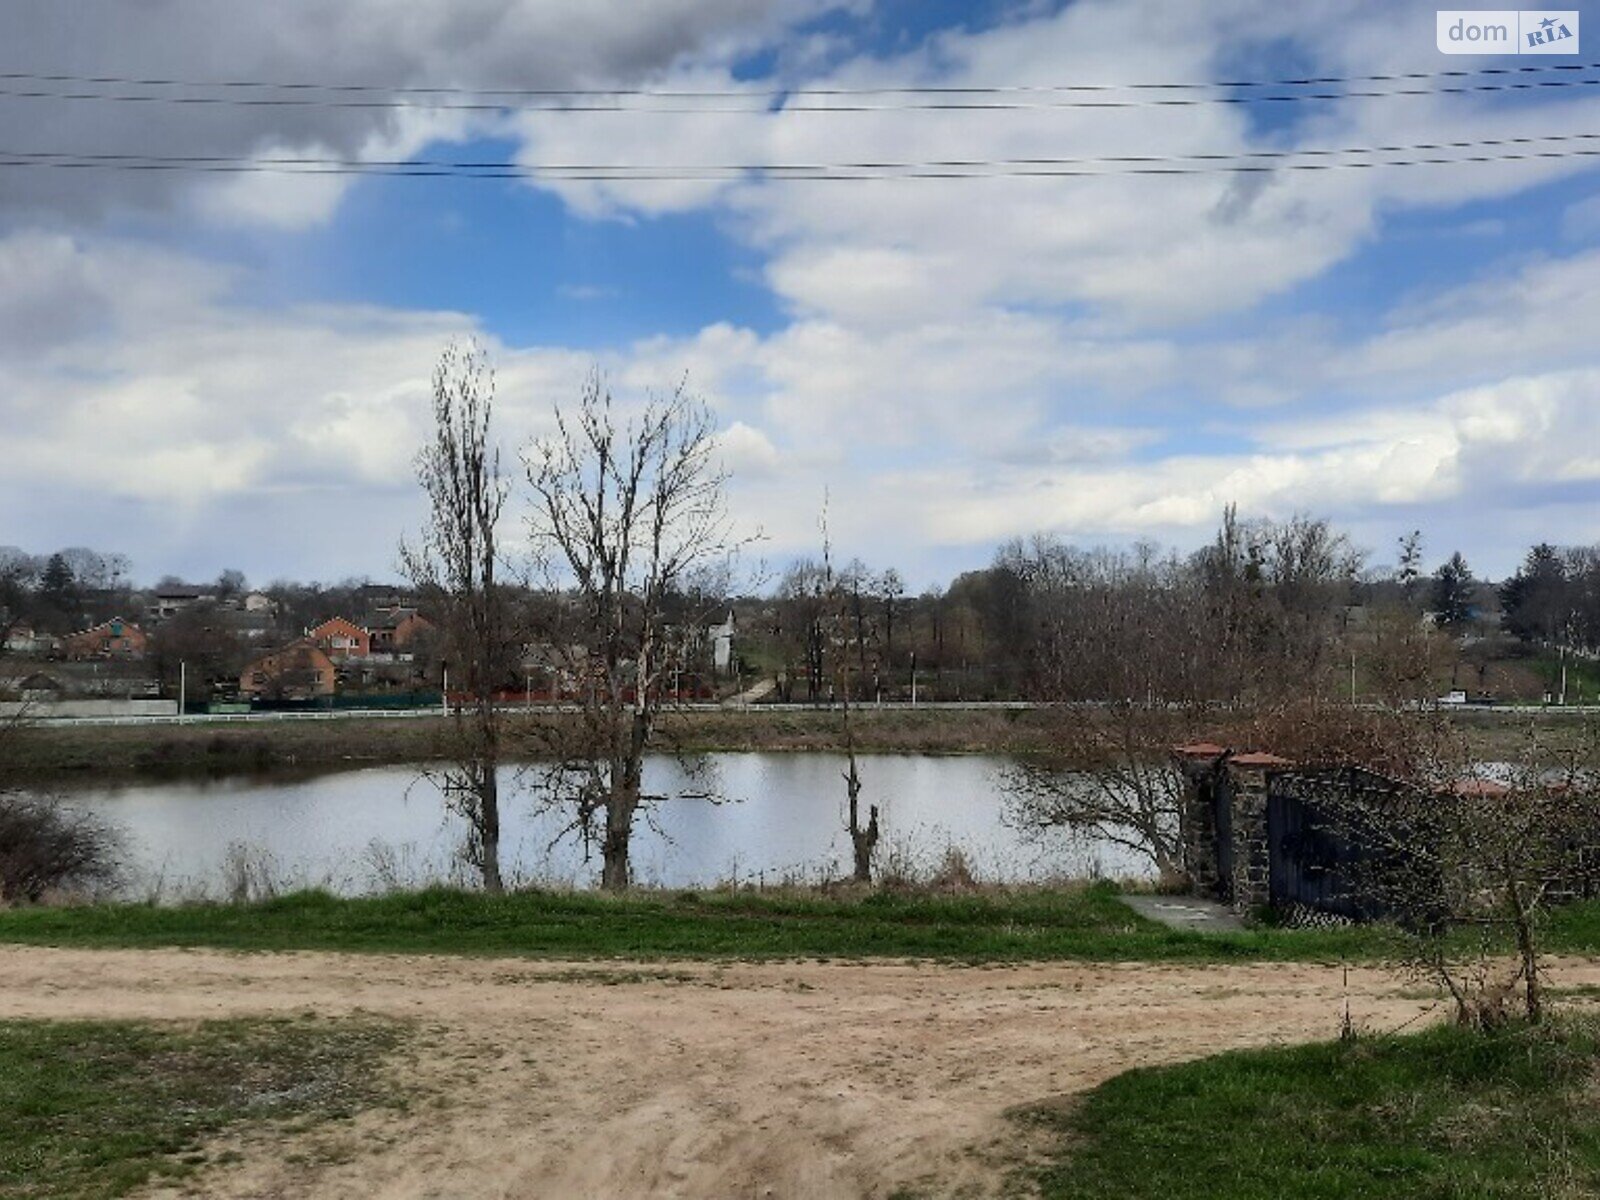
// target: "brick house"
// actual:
[[394, 630], [115, 638], [301, 670], [340, 639]]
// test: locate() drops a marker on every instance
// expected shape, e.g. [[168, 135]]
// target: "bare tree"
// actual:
[[1405, 656], [842, 607], [891, 588], [625, 511], [804, 590], [863, 838], [455, 567], [1408, 571], [1111, 781]]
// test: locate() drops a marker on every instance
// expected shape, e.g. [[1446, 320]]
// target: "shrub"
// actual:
[[45, 847]]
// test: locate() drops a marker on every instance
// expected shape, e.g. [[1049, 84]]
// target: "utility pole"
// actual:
[[183, 688], [444, 691], [913, 679]]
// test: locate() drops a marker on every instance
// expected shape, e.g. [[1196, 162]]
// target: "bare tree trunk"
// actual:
[[488, 788], [1527, 949], [862, 841], [616, 871], [627, 789]]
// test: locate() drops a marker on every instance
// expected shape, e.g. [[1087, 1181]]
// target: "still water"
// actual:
[[779, 817]]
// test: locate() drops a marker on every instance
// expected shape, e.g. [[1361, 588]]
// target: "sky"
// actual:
[[211, 369]]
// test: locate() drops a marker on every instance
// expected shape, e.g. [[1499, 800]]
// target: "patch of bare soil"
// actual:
[[542, 1080]]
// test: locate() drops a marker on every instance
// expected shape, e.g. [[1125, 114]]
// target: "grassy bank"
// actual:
[[1083, 923], [1445, 1113], [997, 925], [61, 754], [65, 753], [97, 1108], [1080, 923]]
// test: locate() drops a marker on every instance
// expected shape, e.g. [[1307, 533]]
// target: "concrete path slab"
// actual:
[[1186, 912]]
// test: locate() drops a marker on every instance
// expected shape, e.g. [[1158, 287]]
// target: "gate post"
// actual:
[[1252, 861], [1201, 764]]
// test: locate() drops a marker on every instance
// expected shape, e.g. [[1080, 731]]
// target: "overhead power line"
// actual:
[[1439, 153], [784, 92], [755, 103]]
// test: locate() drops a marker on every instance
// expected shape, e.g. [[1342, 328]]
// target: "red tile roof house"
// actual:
[[300, 671], [115, 638], [395, 629], [341, 639]]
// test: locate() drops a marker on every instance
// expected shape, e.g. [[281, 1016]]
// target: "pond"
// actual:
[[779, 818]]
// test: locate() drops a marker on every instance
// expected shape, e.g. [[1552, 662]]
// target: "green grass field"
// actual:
[[1079, 923], [1086, 923], [93, 1109], [1441, 1114]]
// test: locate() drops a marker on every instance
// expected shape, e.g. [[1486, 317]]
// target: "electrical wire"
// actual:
[[885, 165], [778, 93], [1257, 162], [777, 103]]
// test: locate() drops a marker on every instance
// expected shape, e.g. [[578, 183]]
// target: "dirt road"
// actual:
[[555, 1080]]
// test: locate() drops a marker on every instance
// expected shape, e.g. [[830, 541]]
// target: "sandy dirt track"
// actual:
[[552, 1080]]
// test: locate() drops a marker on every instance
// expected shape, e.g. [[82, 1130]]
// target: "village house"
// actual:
[[341, 640], [721, 637], [39, 686], [394, 630], [301, 670], [115, 638], [247, 624], [24, 639], [170, 601]]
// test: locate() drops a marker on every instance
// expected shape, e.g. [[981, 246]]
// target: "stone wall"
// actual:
[[1252, 864], [1200, 765]]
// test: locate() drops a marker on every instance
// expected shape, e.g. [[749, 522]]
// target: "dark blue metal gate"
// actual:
[[1311, 861]]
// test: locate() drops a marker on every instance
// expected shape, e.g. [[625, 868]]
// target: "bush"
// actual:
[[45, 848]]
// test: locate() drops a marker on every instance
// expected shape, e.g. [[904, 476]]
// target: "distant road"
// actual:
[[391, 714], [734, 705]]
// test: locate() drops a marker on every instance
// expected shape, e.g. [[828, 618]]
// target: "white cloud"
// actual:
[[747, 452], [937, 436], [478, 44], [963, 360], [1138, 252]]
